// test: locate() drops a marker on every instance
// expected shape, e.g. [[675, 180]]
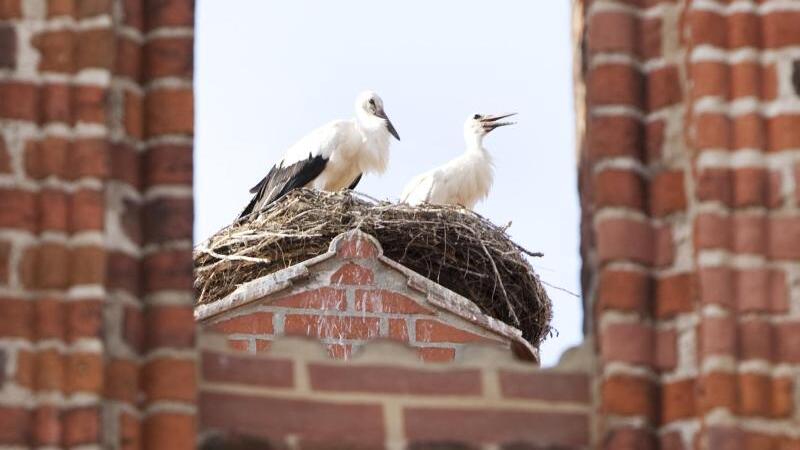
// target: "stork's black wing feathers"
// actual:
[[355, 182], [280, 180]]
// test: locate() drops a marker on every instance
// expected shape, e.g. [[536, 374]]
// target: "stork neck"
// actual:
[[474, 143]]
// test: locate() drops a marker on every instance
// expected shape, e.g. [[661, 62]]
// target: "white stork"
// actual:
[[332, 157], [464, 180]]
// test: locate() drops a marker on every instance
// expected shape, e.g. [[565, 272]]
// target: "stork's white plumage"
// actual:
[[332, 157], [464, 180]]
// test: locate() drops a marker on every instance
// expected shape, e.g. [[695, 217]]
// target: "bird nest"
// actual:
[[456, 248]]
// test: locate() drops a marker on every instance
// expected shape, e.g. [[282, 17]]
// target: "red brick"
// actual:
[[8, 47], [756, 340], [629, 396], [748, 132], [19, 101], [15, 425], [744, 30], [437, 355], [83, 319], [353, 274], [782, 132], [357, 247], [663, 88], [667, 194], [674, 295], [677, 400], [170, 326], [83, 373], [650, 37], [126, 165], [655, 135], [239, 345], [89, 8], [263, 345], [613, 31], [250, 323], [123, 272], [782, 401], [122, 381], [388, 302], [133, 13], [787, 338], [273, 418], [546, 386], [50, 371], [325, 298], [712, 231], [57, 49], [168, 164], [89, 103], [130, 432], [749, 234], [754, 290], [169, 111], [50, 265], [134, 115], [169, 13], [128, 62], [18, 209], [169, 431], [222, 368], [755, 392], [712, 131], [624, 438], [394, 380], [169, 57], [664, 252], [708, 28], [10, 9], [16, 321], [437, 331], [5, 158], [398, 330], [726, 437], [769, 81], [750, 187], [624, 239], [624, 290], [87, 265], [715, 185], [87, 210], [718, 336], [332, 326], [539, 429], [46, 426], [614, 136], [82, 426], [627, 342], [46, 158], [747, 80], [784, 237], [709, 78], [780, 28], [613, 84], [168, 270], [25, 362], [89, 158], [666, 356], [167, 219], [53, 210], [167, 379], [622, 188], [5, 258], [95, 49], [56, 103]]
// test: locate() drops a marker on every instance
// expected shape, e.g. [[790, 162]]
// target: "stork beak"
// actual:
[[492, 122], [382, 114]]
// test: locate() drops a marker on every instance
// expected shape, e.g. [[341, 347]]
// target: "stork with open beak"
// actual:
[[464, 180], [332, 157]]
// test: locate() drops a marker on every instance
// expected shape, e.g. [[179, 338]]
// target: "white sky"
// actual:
[[268, 72]]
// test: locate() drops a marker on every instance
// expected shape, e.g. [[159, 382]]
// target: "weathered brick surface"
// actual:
[[712, 275], [75, 352]]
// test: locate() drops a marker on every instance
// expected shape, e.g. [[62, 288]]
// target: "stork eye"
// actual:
[[372, 101], [476, 116]]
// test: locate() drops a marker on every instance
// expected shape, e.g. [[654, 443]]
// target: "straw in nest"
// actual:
[[458, 249]]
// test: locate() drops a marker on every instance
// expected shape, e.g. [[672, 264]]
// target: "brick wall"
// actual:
[[96, 329], [296, 396], [689, 172]]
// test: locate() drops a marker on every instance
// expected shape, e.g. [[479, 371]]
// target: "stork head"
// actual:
[[370, 113], [479, 125]]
